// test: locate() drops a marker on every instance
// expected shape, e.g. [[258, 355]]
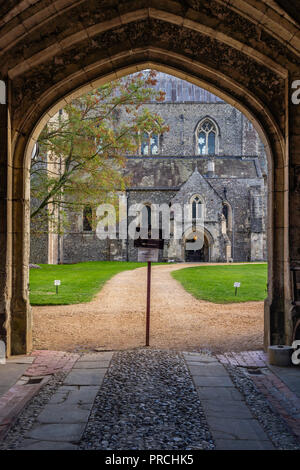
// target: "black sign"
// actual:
[[148, 243]]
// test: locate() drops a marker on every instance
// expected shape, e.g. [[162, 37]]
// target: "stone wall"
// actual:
[[231, 174], [236, 135]]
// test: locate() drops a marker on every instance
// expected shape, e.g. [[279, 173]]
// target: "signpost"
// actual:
[[148, 250], [236, 285], [57, 283]]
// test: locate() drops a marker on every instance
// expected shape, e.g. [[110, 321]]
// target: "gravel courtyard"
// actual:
[[115, 319]]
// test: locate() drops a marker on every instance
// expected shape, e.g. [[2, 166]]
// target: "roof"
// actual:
[[178, 90], [172, 172]]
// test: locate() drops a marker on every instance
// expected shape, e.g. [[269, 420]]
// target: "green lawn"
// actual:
[[79, 282], [215, 283]]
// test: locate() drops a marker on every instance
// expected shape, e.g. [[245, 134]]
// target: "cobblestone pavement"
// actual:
[[151, 399], [147, 401]]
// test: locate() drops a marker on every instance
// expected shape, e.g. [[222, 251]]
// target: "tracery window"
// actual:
[[206, 137], [150, 144], [197, 207]]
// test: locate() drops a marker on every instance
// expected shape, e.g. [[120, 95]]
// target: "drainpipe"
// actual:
[[127, 240], [232, 250]]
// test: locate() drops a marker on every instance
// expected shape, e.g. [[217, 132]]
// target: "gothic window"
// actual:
[[150, 144], [227, 212], [145, 218], [149, 215], [197, 207], [206, 137], [87, 219]]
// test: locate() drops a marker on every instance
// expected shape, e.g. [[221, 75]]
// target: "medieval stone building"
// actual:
[[211, 157]]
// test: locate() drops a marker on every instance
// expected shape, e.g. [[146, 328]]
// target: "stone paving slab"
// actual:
[[85, 377], [228, 444], [201, 358], [64, 418], [230, 421], [20, 360], [227, 409], [290, 376], [10, 373], [57, 432], [208, 370], [33, 444], [92, 365], [222, 382], [71, 394], [41, 365], [219, 393], [65, 413], [231, 428], [103, 356]]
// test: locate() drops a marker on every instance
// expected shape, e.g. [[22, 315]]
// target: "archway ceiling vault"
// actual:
[[53, 47]]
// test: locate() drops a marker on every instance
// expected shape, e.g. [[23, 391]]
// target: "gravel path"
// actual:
[[147, 401], [115, 319]]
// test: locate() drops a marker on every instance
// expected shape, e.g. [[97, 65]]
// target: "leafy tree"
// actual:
[[83, 149]]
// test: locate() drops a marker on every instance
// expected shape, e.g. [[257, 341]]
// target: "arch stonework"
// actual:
[[208, 240], [51, 53]]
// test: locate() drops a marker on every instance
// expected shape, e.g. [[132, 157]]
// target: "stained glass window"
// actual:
[[207, 133], [150, 144]]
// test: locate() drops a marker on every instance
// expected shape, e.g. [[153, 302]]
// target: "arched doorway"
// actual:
[[199, 46], [193, 254]]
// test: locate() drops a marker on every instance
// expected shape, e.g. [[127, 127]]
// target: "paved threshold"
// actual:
[[231, 423], [63, 420], [12, 371]]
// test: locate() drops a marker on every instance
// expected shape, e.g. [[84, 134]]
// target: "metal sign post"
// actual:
[[236, 285], [148, 303], [57, 283], [148, 252]]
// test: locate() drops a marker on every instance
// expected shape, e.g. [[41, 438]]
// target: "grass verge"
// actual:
[[215, 283]]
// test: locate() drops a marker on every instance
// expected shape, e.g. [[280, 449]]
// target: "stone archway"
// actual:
[[200, 255], [235, 51]]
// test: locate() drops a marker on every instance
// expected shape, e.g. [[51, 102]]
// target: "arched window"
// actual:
[[227, 212], [197, 207], [150, 144], [206, 137], [149, 215], [87, 219]]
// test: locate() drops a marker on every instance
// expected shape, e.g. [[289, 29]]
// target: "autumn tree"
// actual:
[[83, 149]]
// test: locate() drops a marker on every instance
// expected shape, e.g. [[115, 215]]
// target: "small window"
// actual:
[[150, 144], [197, 207], [148, 208], [227, 212], [87, 219]]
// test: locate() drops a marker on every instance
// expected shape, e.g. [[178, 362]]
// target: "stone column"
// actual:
[[294, 193], [5, 218], [21, 321]]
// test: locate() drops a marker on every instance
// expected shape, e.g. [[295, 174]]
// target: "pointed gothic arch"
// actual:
[[238, 65], [207, 136]]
